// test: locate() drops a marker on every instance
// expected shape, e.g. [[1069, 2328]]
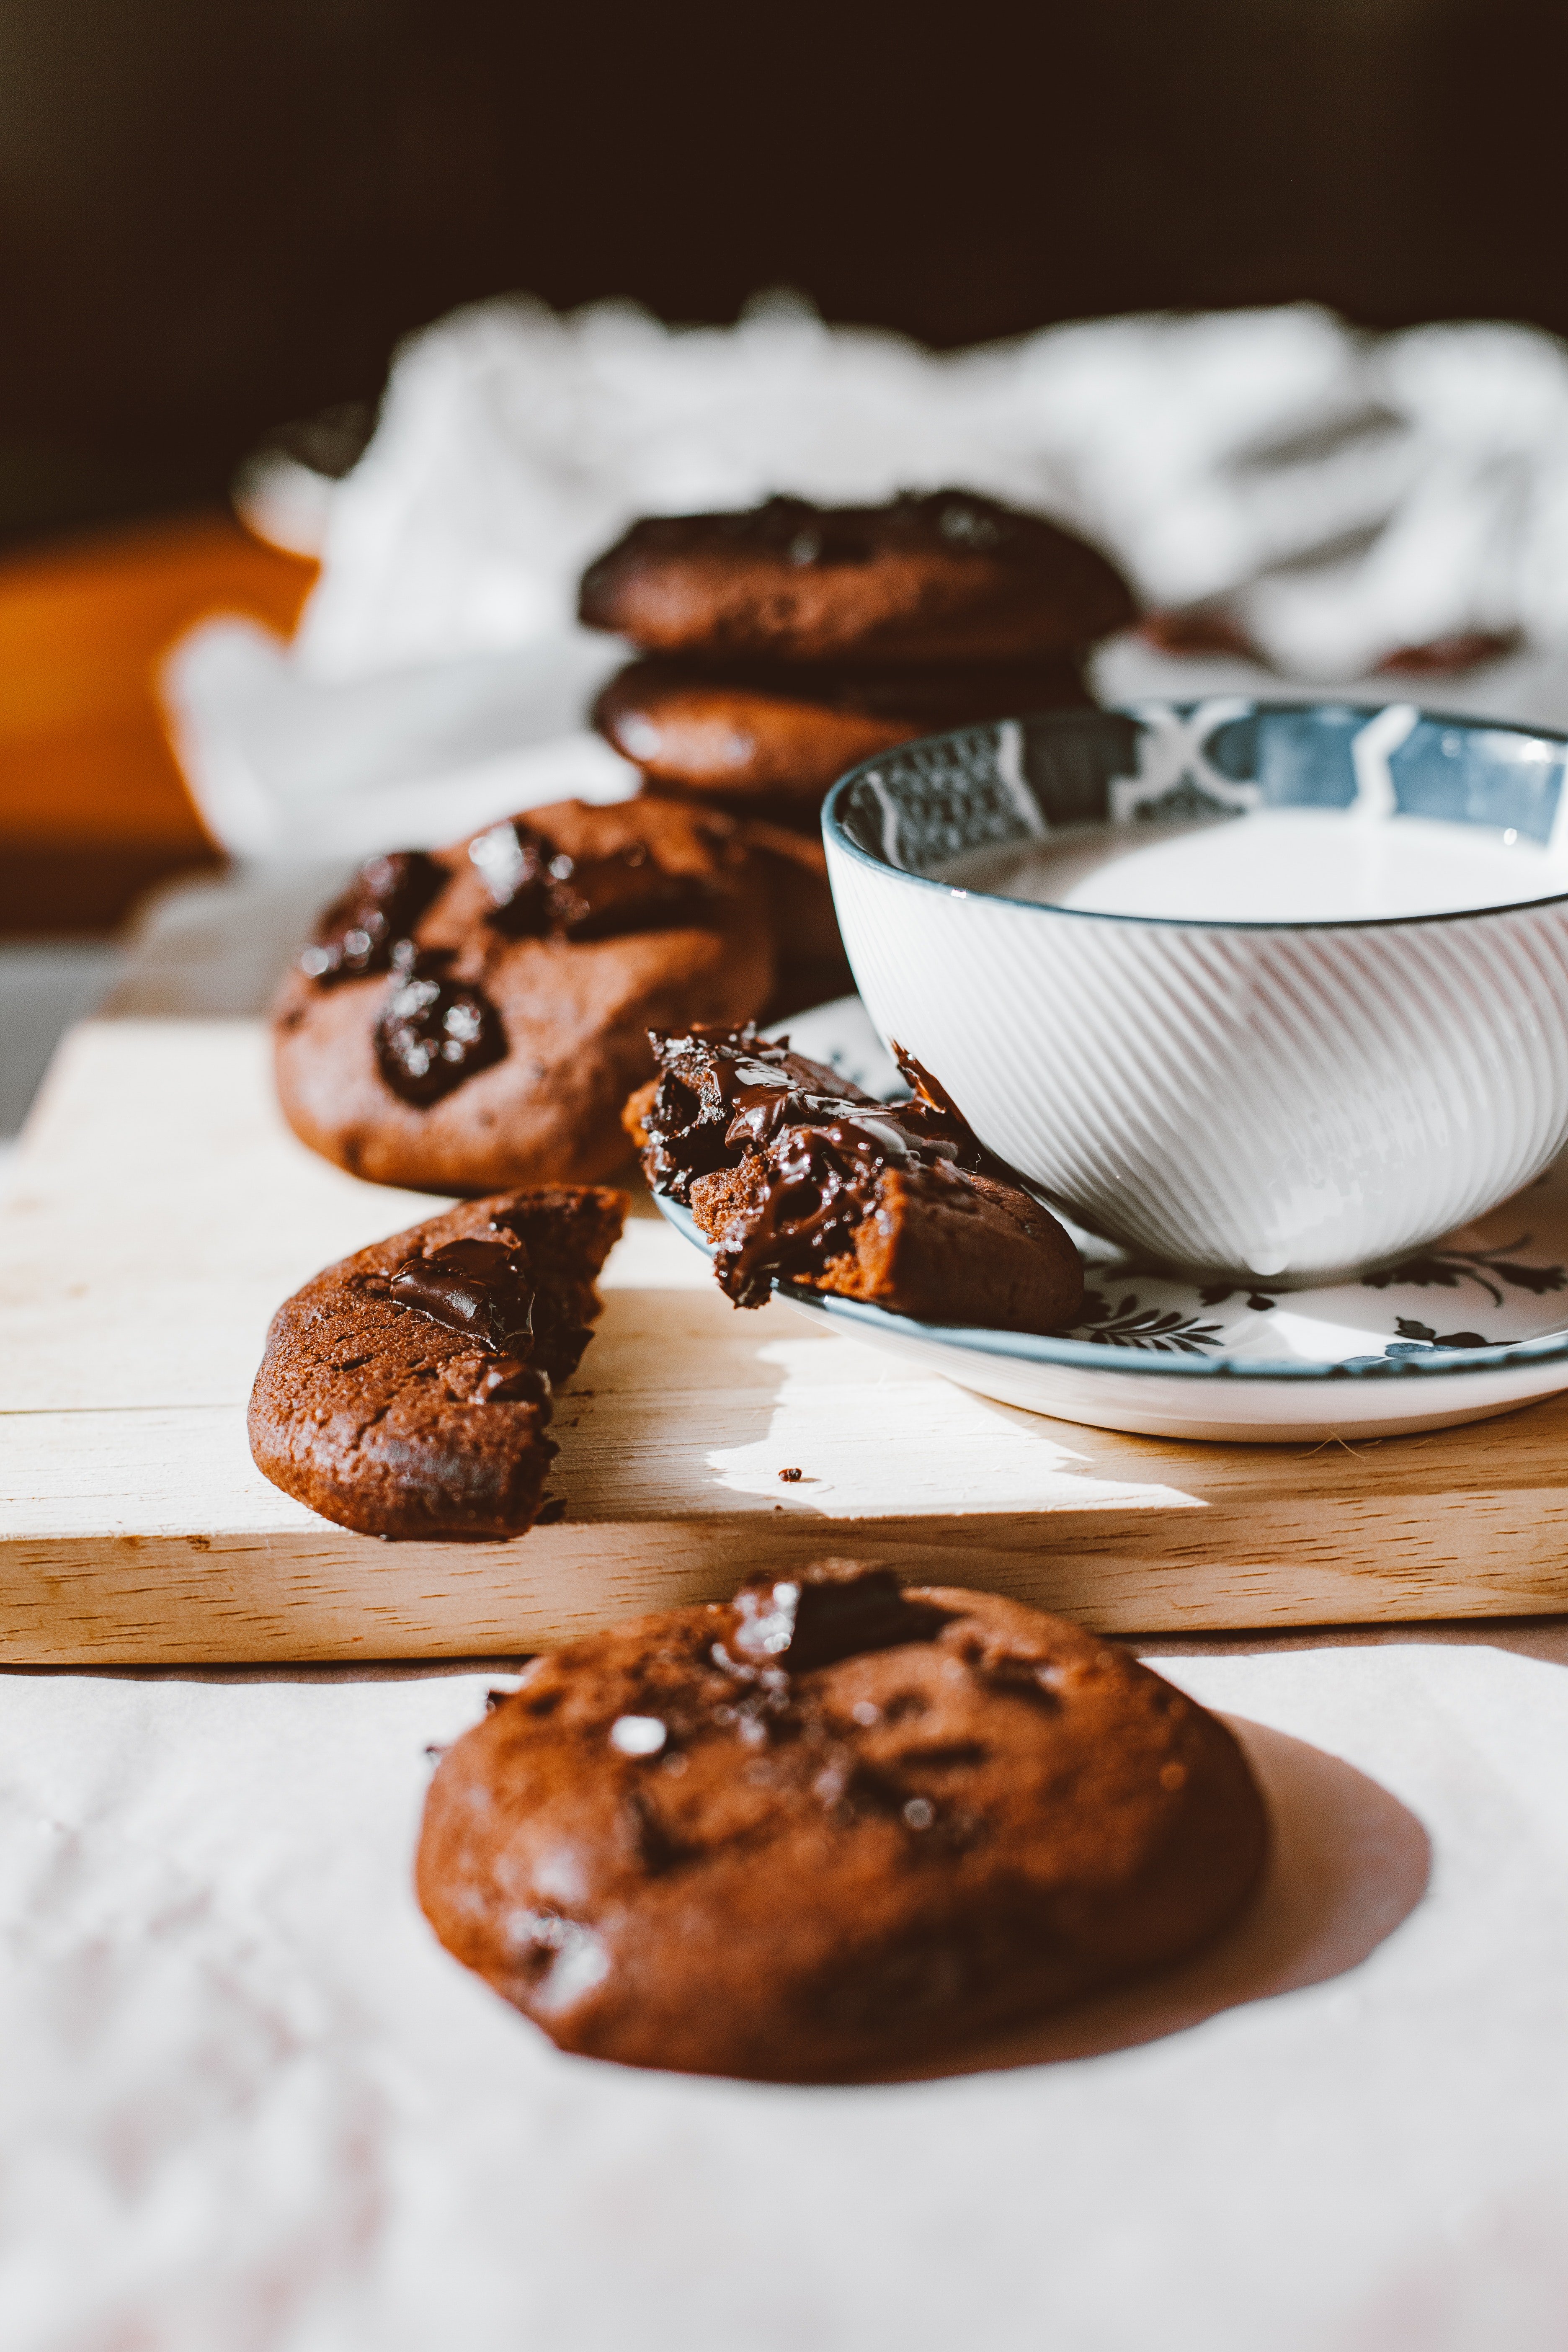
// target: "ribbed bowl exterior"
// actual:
[[1294, 1105]]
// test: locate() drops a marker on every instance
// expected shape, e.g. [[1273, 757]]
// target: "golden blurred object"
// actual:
[[93, 808]]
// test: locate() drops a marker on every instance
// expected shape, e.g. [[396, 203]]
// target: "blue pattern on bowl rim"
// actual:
[[992, 785]]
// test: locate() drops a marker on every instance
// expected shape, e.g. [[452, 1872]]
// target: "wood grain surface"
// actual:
[[159, 1211]]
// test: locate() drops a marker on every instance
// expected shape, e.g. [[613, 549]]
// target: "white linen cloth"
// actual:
[[247, 2101], [1342, 496]]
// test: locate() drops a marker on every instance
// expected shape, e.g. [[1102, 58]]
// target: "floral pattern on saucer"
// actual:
[[1132, 1304]]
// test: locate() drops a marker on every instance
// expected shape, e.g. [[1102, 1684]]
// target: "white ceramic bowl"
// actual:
[[1294, 1101]]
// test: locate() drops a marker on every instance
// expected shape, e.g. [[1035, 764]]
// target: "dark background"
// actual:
[[215, 217]]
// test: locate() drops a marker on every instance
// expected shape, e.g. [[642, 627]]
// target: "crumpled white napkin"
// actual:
[[1341, 497]]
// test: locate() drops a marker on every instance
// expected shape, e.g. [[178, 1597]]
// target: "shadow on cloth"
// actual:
[[1348, 1864]]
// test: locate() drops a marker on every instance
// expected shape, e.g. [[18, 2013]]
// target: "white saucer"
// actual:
[[1473, 1326]]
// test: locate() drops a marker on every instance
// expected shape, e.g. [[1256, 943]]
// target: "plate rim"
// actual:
[[1049, 1348]]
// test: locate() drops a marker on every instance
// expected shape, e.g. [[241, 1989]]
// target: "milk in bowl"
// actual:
[[1260, 991], [1273, 865]]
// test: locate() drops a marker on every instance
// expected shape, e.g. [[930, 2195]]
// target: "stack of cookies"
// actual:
[[778, 647]]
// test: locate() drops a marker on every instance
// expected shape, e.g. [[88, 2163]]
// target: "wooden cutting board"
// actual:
[[159, 1211]]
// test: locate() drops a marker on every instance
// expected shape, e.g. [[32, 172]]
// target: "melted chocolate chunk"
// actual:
[[819, 1184], [432, 1034], [763, 1111], [936, 1118], [819, 1620], [604, 898], [359, 930], [480, 1289], [536, 889], [726, 1092], [514, 860]]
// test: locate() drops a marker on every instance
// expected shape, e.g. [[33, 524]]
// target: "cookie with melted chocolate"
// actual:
[[832, 1825], [947, 576], [794, 1176], [865, 1209], [496, 1040], [406, 1391], [770, 741]]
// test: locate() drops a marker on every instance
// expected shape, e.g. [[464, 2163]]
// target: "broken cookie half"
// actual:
[[406, 1391], [793, 1175]]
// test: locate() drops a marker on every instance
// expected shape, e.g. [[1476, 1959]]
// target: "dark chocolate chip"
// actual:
[[479, 1290], [819, 1620], [605, 898], [536, 888], [432, 1034], [514, 860], [508, 1381], [359, 930]]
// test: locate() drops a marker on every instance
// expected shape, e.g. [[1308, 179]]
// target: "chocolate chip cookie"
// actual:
[[406, 1391], [832, 1825], [771, 740], [794, 1178], [948, 576], [476, 1017]]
